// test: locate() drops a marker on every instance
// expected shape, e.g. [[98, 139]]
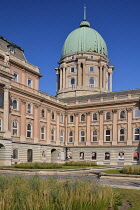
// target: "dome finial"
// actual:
[[84, 12]]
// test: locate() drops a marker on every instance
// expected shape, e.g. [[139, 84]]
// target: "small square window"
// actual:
[[91, 56], [91, 68], [137, 113], [72, 57]]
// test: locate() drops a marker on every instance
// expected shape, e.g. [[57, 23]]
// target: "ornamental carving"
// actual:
[[76, 114], [87, 113], [23, 101], [114, 111], [36, 105], [58, 112], [49, 110], [129, 109], [100, 112]]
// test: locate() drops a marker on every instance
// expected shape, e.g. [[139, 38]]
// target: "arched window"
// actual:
[[83, 118], [61, 136], [0, 100], [42, 133], [107, 156], [94, 135], [82, 136], [122, 134], [29, 130], [15, 153], [107, 135], [61, 118], [0, 124], [15, 128], [91, 82], [122, 115], [71, 118], [136, 156], [137, 134], [43, 113], [29, 108], [81, 154], [93, 155], [52, 115], [70, 136], [95, 116], [15, 76], [29, 82], [72, 82], [53, 135], [15, 104], [108, 115]]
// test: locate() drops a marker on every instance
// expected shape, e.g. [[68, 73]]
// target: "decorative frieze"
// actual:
[[87, 113], [23, 101], [129, 109], [114, 111], [100, 112], [76, 114]]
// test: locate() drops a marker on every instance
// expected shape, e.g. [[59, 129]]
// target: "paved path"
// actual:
[[118, 182]]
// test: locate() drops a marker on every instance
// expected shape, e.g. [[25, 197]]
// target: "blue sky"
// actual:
[[40, 27]]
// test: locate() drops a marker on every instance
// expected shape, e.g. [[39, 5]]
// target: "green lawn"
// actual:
[[115, 171]]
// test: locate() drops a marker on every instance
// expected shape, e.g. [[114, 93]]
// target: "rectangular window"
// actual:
[[137, 113], [72, 69], [107, 135], [91, 69]]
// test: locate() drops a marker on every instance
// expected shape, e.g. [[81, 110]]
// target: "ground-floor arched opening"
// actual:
[[54, 155], [29, 155]]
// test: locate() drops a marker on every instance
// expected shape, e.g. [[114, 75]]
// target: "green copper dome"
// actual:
[[84, 39]]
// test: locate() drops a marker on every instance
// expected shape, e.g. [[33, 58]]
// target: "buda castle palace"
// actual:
[[86, 121]]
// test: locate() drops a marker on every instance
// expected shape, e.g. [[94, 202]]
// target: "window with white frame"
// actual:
[[122, 134], [70, 136], [1, 100], [15, 104], [94, 135], [72, 57], [122, 115], [29, 130], [83, 118], [43, 113], [72, 82], [15, 153], [15, 76], [107, 135], [91, 56], [43, 133], [72, 69], [29, 82], [137, 113], [29, 108], [108, 116], [91, 68], [61, 118], [71, 119], [52, 134], [82, 136], [15, 128], [52, 116], [61, 136], [94, 116], [0, 124], [91, 82], [136, 134]]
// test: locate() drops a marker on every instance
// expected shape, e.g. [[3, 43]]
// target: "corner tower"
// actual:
[[84, 66]]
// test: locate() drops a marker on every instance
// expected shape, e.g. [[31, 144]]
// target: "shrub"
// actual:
[[38, 165], [134, 169]]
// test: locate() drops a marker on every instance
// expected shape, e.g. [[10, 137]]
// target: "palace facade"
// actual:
[[86, 121]]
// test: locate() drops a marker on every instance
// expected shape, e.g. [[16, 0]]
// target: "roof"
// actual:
[[84, 39], [101, 95]]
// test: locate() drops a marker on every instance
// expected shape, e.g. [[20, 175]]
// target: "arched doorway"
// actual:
[[29, 155], [54, 155]]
